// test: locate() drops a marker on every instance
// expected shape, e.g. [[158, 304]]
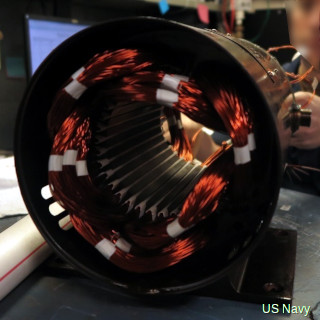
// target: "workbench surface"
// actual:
[[46, 295]]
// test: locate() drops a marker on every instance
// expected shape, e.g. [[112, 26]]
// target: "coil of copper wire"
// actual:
[[142, 200]]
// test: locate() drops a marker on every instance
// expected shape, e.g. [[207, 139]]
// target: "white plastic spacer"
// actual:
[[55, 162], [65, 223], [123, 245], [46, 192], [75, 89], [81, 168], [251, 141], [241, 155], [55, 208], [166, 97], [70, 158], [77, 73], [106, 248], [171, 82], [174, 228]]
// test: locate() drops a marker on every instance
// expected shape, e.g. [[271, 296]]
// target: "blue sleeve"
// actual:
[[292, 66]]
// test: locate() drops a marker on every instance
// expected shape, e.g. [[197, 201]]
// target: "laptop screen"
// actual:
[[43, 34]]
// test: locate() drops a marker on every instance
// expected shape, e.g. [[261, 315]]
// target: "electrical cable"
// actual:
[[297, 78]]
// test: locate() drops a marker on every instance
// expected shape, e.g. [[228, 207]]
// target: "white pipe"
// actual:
[[22, 249]]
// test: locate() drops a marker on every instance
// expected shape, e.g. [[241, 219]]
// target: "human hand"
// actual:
[[306, 137]]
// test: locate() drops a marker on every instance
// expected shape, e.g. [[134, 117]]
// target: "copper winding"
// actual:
[[142, 245]]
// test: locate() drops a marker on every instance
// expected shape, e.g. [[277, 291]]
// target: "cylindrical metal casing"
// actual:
[[236, 231]]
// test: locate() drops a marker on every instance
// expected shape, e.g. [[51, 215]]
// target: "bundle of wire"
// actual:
[[296, 78], [135, 233]]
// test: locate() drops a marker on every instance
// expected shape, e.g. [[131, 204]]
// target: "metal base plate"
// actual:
[[266, 276]]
